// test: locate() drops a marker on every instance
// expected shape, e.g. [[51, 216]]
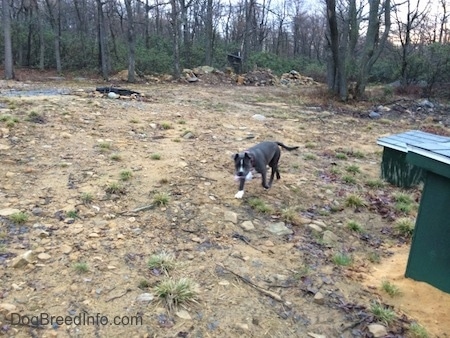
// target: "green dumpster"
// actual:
[[429, 256]]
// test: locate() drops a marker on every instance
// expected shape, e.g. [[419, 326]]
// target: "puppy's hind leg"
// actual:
[[274, 165], [276, 172], [264, 180]]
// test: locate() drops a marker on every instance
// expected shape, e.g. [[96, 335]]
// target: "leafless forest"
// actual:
[[338, 42]]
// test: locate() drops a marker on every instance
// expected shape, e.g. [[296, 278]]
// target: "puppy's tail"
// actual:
[[286, 147]]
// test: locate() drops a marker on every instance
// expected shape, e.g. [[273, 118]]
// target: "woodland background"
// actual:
[[345, 43]]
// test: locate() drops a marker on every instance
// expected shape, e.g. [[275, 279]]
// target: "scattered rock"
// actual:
[[8, 211], [44, 256], [42, 233], [374, 115], [319, 298], [192, 78], [329, 237], [66, 135], [23, 260], [427, 104], [314, 227], [65, 249], [316, 335], [230, 216], [183, 314], [247, 226], [243, 326], [303, 220], [279, 229], [383, 109], [319, 223], [377, 330], [145, 297], [269, 243], [188, 135], [258, 117], [7, 307], [113, 95], [16, 287]]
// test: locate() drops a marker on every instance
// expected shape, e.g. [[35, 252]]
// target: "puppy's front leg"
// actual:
[[240, 193]]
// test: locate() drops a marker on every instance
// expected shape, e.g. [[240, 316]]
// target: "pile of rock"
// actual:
[[206, 73], [211, 75], [296, 79], [258, 77]]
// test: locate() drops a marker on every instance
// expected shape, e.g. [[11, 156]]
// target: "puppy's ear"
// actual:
[[235, 156], [246, 154]]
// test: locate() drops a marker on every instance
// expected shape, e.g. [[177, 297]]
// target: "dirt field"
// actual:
[[265, 266]]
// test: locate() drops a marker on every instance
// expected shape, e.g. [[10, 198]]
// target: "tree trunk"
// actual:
[[374, 44], [247, 33], [186, 39], [333, 45], [209, 33], [175, 39], [103, 55], [41, 38], [55, 22], [131, 42], [9, 69], [147, 25], [444, 19], [30, 32]]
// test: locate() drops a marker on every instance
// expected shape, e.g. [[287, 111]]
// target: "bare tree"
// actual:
[[103, 54], [282, 16], [41, 36], [335, 81], [406, 28], [249, 8], [175, 23], [375, 41], [81, 12], [9, 69], [443, 30], [54, 10], [185, 26], [343, 35], [209, 33], [131, 41]]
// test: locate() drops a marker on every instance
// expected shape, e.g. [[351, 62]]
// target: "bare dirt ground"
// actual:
[[68, 141]]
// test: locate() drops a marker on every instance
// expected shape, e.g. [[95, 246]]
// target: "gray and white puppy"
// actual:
[[258, 158]]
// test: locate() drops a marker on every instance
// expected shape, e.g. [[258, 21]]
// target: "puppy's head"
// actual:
[[243, 164]]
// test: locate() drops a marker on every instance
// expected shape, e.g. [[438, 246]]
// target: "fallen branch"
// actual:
[[144, 208], [119, 296], [264, 291], [247, 241]]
